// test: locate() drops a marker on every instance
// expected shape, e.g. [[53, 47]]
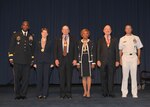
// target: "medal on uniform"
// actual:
[[42, 50], [124, 41], [18, 39], [134, 40]]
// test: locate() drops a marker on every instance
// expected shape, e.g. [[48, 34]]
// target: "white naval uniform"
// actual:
[[129, 46]]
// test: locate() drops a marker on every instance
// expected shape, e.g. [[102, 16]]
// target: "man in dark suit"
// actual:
[[21, 56], [107, 60], [65, 59]]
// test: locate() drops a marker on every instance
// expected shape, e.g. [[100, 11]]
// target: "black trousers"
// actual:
[[21, 79], [65, 70], [43, 72], [107, 77]]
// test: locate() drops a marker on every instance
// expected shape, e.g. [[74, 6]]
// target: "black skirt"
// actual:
[[85, 70]]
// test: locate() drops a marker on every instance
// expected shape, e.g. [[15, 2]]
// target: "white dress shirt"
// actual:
[[63, 37], [130, 43], [25, 32]]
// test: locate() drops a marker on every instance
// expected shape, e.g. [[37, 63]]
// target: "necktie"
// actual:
[[25, 33], [65, 46]]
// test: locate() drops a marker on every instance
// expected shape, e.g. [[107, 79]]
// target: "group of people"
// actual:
[[85, 55]]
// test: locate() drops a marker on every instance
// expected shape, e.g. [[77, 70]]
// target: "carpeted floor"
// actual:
[[96, 100]]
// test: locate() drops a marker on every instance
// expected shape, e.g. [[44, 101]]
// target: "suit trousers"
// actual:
[[43, 73], [107, 77], [65, 70], [129, 65], [21, 79]]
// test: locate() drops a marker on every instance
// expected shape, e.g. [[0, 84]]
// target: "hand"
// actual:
[[93, 66], [35, 66], [117, 63], [78, 66], [99, 63], [57, 62], [32, 62], [11, 61], [51, 66], [74, 62], [139, 62]]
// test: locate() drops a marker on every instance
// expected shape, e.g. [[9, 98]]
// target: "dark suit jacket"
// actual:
[[107, 54], [47, 55], [58, 50], [21, 48], [91, 51]]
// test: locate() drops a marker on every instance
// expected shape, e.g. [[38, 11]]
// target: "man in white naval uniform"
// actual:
[[130, 52]]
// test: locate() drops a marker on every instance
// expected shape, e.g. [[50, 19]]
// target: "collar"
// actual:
[[109, 36], [129, 35], [65, 36], [87, 40], [24, 32]]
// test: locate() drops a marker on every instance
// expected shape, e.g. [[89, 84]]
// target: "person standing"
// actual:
[[21, 55], [107, 60], [65, 59], [86, 61], [43, 63], [130, 52]]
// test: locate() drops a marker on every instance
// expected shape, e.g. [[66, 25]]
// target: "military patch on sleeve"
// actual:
[[18, 38], [30, 38]]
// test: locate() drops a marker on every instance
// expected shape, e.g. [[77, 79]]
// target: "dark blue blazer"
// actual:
[[47, 55], [107, 54], [58, 50]]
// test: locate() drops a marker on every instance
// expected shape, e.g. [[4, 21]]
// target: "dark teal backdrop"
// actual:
[[78, 14]]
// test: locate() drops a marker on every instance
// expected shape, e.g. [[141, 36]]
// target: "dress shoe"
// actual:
[[44, 97], [69, 97], [17, 98], [62, 97], [105, 95], [135, 96], [112, 95], [39, 97], [23, 97], [124, 96]]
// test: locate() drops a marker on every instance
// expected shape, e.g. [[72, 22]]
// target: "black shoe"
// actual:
[[112, 95], [69, 97], [84, 96], [17, 98], [39, 97], [105, 95], [44, 97], [62, 97], [88, 97], [23, 97]]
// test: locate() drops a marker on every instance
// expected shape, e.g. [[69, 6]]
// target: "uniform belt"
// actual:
[[129, 53]]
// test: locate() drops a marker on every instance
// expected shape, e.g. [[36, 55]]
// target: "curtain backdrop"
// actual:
[[77, 14]]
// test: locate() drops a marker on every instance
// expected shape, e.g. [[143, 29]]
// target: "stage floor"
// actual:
[[96, 100]]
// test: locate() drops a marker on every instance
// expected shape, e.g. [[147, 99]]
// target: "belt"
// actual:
[[129, 53]]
